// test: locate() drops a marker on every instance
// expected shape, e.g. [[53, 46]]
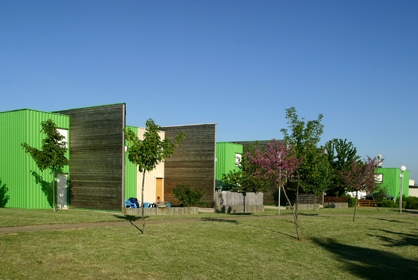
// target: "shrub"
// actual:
[[389, 204], [411, 202], [4, 198], [351, 201], [187, 196]]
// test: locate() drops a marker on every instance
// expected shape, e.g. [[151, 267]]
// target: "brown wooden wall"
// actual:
[[97, 156], [193, 162]]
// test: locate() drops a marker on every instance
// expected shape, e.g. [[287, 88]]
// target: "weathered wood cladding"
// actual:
[[193, 162], [97, 156]]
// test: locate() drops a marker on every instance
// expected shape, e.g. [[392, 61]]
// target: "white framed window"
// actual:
[[238, 159], [64, 132]]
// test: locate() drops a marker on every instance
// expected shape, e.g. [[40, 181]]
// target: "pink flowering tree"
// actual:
[[359, 177], [277, 163]]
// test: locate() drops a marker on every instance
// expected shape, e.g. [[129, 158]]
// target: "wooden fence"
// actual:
[[234, 202], [366, 203]]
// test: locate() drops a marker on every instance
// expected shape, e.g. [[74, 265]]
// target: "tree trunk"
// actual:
[[294, 213], [142, 201], [375, 204], [278, 201], [355, 207]]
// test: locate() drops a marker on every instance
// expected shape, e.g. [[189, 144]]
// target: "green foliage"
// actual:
[[314, 171], [351, 201], [243, 180], [411, 202], [187, 196], [150, 151], [4, 198], [52, 154], [340, 155], [389, 204]]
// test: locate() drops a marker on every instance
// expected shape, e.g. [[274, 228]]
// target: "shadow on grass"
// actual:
[[306, 214], [131, 219], [219, 220], [401, 239], [367, 263], [391, 220]]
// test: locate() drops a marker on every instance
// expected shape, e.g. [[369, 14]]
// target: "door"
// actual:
[[62, 191], [159, 188]]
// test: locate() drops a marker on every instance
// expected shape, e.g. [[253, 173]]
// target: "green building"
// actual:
[[28, 186], [99, 175], [228, 157], [389, 179]]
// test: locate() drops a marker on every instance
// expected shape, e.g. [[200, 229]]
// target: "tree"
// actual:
[[150, 151], [52, 154], [340, 156], [314, 173], [243, 180], [278, 164], [360, 176], [4, 198]]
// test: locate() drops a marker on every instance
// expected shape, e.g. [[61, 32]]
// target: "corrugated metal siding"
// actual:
[[225, 157], [131, 171], [16, 166], [392, 181]]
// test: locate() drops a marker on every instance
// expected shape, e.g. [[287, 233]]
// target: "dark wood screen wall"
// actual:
[[97, 156], [193, 162]]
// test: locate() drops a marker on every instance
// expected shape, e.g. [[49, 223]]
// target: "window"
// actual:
[[237, 159]]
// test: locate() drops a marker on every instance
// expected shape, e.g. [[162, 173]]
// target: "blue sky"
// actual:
[[238, 64]]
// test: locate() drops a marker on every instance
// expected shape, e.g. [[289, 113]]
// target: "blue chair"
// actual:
[[134, 200], [129, 204]]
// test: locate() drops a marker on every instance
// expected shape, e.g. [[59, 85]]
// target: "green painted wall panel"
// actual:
[[392, 181], [130, 172], [225, 157], [16, 166]]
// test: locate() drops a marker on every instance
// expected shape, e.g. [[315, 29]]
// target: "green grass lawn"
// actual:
[[379, 245]]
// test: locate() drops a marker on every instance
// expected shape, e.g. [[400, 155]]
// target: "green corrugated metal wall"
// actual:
[[392, 181], [16, 166], [130, 172], [225, 157]]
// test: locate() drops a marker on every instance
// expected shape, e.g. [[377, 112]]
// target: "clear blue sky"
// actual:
[[238, 64]]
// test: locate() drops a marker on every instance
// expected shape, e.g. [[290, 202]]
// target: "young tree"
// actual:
[[52, 154], [314, 172], [360, 176], [278, 164], [340, 156], [150, 151], [243, 180]]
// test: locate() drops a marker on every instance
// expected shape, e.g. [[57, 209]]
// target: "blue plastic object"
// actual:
[[147, 205], [129, 204]]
